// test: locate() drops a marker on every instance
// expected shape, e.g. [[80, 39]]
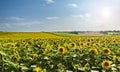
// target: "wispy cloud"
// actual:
[[51, 18], [49, 1], [73, 5], [21, 24], [86, 15], [77, 16], [13, 18]]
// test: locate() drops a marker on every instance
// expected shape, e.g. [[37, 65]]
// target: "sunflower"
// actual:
[[48, 46], [106, 64], [114, 41], [14, 47], [73, 45], [88, 40], [104, 44], [114, 59], [87, 43], [65, 45], [94, 45], [105, 39], [93, 51], [92, 39], [81, 44], [37, 69], [61, 50], [106, 51]]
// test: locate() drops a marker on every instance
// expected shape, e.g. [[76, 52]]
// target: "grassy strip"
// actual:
[[66, 34]]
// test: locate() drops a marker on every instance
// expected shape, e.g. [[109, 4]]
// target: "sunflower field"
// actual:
[[61, 54]]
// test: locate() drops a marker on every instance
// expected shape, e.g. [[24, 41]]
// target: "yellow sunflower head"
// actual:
[[48, 46], [37, 69], [114, 41], [106, 51], [87, 43], [73, 45], [106, 64], [94, 45], [114, 59], [81, 44], [65, 45], [93, 51], [88, 40], [61, 50]]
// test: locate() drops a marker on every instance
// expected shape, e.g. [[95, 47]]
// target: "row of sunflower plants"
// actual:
[[75, 54]]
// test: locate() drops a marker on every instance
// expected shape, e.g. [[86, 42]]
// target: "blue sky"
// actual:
[[59, 15]]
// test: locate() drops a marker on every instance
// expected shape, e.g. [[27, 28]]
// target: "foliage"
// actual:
[[75, 54]]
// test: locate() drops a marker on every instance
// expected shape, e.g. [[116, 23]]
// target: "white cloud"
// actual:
[[73, 5], [87, 15], [16, 18], [49, 1], [77, 16], [51, 18], [27, 24], [13, 18]]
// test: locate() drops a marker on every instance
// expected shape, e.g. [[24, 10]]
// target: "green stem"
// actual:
[[2, 63]]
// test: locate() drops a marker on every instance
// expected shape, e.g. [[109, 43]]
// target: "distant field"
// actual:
[[66, 34], [34, 35], [26, 35], [43, 35], [92, 34]]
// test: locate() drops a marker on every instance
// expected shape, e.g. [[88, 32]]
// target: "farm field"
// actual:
[[66, 34], [26, 35], [47, 52]]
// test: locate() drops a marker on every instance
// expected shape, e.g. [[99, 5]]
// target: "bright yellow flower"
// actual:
[[65, 45], [114, 59], [61, 50], [106, 51], [88, 40], [93, 51], [73, 45], [81, 44], [87, 44], [94, 45], [48, 46], [106, 64], [14, 47], [37, 69]]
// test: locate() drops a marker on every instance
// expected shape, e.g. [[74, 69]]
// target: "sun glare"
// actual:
[[106, 12]]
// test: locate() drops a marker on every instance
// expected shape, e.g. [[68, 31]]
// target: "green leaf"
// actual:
[[2, 53]]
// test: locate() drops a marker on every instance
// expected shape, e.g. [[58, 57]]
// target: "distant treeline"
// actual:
[[114, 32]]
